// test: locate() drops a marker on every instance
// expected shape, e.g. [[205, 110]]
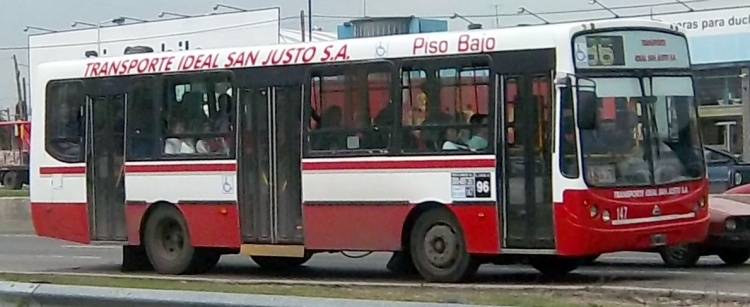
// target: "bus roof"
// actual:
[[358, 49]]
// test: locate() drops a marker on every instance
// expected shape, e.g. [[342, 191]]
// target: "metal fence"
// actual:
[[47, 295]]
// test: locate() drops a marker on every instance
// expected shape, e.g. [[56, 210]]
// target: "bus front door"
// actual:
[[269, 165], [105, 148], [527, 211]]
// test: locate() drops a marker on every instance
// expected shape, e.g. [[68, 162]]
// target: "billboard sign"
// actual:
[[715, 36], [711, 22]]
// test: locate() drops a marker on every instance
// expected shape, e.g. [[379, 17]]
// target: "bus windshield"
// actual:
[[646, 132]]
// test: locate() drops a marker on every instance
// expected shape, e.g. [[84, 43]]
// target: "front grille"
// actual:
[[743, 222]]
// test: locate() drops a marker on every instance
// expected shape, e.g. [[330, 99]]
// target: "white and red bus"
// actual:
[[546, 144]]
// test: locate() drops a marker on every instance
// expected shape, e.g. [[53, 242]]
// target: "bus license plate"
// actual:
[[658, 239]]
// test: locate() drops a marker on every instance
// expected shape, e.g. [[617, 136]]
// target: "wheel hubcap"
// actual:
[[679, 251], [441, 246], [172, 239]]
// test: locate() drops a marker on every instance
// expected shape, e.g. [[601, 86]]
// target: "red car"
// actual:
[[728, 234]]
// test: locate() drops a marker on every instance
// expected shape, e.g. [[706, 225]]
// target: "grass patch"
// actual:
[[5, 192], [466, 296]]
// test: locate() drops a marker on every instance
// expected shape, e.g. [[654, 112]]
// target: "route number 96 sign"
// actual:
[[471, 185]]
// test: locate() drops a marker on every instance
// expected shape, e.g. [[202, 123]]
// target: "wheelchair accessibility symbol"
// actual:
[[380, 50], [581, 54], [227, 187]]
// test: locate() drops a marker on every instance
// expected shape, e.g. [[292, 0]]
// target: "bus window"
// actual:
[[568, 140], [64, 120], [354, 110], [445, 109], [141, 126], [199, 116]]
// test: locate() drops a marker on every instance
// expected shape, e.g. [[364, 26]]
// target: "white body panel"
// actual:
[[411, 185]]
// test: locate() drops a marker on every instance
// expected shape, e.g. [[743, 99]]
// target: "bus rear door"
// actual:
[[269, 166]]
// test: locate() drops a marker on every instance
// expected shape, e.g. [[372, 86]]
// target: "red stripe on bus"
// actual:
[[181, 168], [62, 170], [308, 166], [163, 168], [403, 164]]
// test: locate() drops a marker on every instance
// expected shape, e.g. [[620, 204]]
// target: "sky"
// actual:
[[59, 14]]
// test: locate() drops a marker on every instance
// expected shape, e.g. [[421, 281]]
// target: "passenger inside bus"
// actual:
[[480, 133], [453, 140], [175, 145], [210, 144], [331, 119]]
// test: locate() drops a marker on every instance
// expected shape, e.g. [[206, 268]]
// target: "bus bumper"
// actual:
[[581, 240]]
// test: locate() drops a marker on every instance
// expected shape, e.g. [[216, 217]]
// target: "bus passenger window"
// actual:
[[199, 117], [352, 110], [445, 109], [142, 130], [64, 120]]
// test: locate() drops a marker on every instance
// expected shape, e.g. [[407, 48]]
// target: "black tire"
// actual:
[[402, 264], [280, 263], [438, 248], [555, 266], [167, 242], [13, 181], [589, 260], [734, 257], [680, 255], [135, 259]]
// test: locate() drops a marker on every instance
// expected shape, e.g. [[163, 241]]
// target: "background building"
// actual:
[[720, 50]]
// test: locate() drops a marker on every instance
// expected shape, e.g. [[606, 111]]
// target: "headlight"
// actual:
[[605, 216], [730, 224], [593, 211]]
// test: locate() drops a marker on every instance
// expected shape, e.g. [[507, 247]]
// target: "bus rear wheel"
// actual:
[[167, 242], [438, 248]]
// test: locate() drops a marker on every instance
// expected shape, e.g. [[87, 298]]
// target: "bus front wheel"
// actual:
[[438, 248], [167, 242], [680, 255]]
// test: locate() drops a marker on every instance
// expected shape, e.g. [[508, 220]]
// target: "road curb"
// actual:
[[291, 282]]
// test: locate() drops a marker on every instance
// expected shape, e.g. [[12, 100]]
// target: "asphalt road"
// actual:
[[32, 254]]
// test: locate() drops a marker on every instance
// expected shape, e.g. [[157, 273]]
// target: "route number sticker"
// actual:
[[471, 185]]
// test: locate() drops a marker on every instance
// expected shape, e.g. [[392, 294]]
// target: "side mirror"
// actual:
[[587, 106]]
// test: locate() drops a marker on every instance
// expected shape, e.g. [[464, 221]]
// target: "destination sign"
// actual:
[[630, 50]]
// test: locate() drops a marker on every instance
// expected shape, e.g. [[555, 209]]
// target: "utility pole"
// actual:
[[745, 113], [20, 104], [309, 20], [497, 18], [302, 24]]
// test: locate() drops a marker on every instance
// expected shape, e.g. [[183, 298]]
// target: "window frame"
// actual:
[[50, 123], [457, 61], [339, 69], [167, 84], [561, 128], [155, 84]]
